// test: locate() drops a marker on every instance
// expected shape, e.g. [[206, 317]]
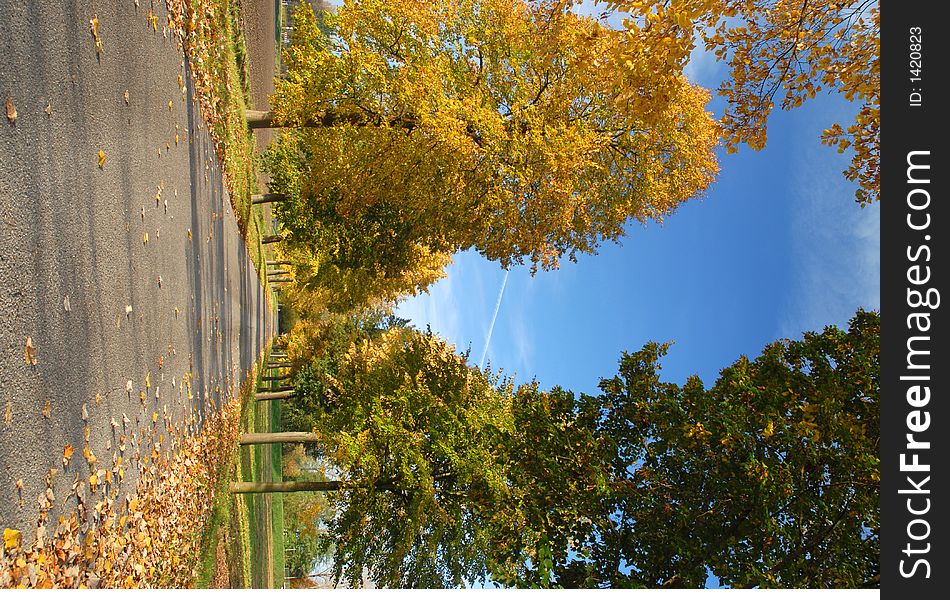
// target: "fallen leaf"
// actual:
[[189, 234], [66, 305], [159, 281], [128, 309], [142, 397], [68, 452], [98, 398], [11, 538], [169, 105], [125, 96], [8, 413], [85, 412], [49, 109], [161, 361], [128, 386], [29, 353], [94, 28], [47, 408], [148, 380], [145, 238], [11, 110], [102, 158]]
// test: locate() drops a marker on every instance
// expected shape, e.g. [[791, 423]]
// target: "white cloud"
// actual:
[[703, 68], [836, 248]]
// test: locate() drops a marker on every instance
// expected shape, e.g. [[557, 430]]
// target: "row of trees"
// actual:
[[452, 475], [532, 134]]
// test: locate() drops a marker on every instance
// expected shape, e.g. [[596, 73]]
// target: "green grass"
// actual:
[[264, 512], [226, 512], [277, 500]]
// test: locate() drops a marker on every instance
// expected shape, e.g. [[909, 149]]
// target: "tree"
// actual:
[[782, 51], [503, 126], [769, 478], [412, 428], [448, 475], [344, 265]]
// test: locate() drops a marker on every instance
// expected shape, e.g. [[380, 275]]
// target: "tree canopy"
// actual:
[[768, 478], [504, 126], [781, 52]]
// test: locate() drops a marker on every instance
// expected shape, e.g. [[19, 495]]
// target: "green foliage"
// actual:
[[769, 478], [414, 425]]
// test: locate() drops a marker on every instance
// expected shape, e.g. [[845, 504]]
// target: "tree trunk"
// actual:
[[270, 239], [266, 487], [279, 365], [285, 388], [280, 280], [276, 377], [259, 119], [267, 198], [265, 396], [277, 263], [277, 272], [291, 437]]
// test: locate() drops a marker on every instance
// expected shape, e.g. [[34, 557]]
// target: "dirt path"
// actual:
[[100, 239]]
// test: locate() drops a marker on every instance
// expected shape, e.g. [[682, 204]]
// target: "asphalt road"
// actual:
[[71, 228]]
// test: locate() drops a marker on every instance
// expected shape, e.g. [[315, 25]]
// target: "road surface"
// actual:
[[104, 238]]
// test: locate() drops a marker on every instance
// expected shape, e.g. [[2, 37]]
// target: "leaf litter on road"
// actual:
[[29, 352]]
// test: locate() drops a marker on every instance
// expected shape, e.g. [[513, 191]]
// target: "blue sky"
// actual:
[[776, 247]]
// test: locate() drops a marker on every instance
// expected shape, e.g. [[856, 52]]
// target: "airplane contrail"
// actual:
[[494, 317]]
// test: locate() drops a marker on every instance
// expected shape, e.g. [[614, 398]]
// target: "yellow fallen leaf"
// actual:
[[11, 538], [29, 353], [47, 408], [8, 413], [102, 158], [148, 380], [169, 105], [142, 396], [93, 479], [145, 238], [94, 28], [49, 109], [189, 234], [11, 110], [125, 96]]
